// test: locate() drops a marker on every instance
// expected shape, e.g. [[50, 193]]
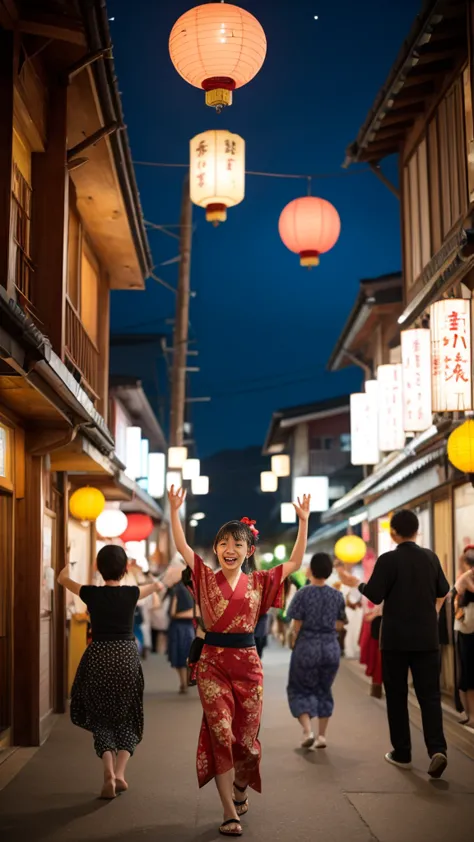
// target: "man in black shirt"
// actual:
[[410, 581]]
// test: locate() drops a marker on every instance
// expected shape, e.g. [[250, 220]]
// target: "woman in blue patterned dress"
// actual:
[[317, 612]]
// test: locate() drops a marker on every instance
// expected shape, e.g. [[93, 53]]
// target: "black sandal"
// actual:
[[230, 832], [241, 807]]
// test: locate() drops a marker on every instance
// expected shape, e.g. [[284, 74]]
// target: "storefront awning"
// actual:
[[80, 456], [410, 483]]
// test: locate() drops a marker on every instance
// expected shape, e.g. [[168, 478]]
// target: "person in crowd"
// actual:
[[180, 632], [370, 654], [464, 628], [229, 671], [411, 584], [316, 611], [107, 694]]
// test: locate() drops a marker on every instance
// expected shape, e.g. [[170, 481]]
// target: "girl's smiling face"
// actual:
[[232, 549]]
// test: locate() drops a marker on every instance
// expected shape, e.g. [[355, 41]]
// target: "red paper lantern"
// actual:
[[218, 47], [309, 227], [139, 528]]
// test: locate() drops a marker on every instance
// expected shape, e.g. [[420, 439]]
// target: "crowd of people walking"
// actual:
[[218, 622]]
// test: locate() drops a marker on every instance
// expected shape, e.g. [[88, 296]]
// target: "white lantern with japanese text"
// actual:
[[417, 415], [217, 172], [451, 377], [364, 428], [390, 403]]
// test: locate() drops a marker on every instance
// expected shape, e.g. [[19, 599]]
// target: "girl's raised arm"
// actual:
[[296, 559], [176, 500], [67, 582]]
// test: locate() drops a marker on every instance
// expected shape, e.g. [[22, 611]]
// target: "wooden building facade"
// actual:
[[71, 229]]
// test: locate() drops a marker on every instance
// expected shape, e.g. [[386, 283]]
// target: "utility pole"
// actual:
[[181, 328]]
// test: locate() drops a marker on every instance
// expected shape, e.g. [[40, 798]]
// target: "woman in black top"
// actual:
[[180, 632], [107, 694]]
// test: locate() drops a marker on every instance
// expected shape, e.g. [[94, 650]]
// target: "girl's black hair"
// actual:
[[112, 563], [240, 532]]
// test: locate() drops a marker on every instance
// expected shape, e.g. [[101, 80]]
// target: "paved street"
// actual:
[[346, 792]]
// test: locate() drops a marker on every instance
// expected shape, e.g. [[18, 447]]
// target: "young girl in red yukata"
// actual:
[[229, 673]]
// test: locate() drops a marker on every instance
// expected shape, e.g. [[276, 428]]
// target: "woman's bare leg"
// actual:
[[183, 679], [108, 789], [305, 722], [225, 785], [323, 725], [122, 759]]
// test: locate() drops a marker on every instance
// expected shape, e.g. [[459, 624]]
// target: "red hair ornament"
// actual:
[[251, 525]]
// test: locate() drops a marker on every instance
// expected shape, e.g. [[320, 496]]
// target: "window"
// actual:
[[21, 267], [345, 442], [315, 443], [328, 443], [435, 195], [83, 277]]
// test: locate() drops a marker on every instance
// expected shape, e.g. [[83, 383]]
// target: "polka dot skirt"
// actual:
[[107, 695]]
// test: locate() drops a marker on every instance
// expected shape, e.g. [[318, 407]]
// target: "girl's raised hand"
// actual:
[[302, 508], [176, 497]]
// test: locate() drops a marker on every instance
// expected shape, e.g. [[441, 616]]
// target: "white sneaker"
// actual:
[[308, 742], [320, 742], [390, 759]]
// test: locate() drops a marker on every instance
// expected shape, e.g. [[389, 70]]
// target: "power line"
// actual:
[[302, 176]]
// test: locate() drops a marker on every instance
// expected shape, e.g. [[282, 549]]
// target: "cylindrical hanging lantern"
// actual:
[[111, 523], [87, 503], [217, 172], [461, 447], [350, 549], [217, 47], [191, 469], [309, 227], [177, 457], [200, 485], [139, 528], [416, 363], [268, 481], [451, 360], [281, 465]]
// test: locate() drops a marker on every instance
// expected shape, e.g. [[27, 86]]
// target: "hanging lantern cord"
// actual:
[[310, 184]]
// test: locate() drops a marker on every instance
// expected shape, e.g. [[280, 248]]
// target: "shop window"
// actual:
[[21, 266], [83, 277], [345, 442], [328, 443]]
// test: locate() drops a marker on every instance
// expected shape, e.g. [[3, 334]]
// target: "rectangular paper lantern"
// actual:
[[364, 429], [177, 457], [200, 485], [268, 481], [287, 513], [416, 353], [390, 402], [134, 452], [191, 469], [156, 474], [281, 465], [173, 478], [318, 487], [451, 359]]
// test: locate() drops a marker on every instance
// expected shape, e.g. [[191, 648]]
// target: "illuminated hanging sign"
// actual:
[[390, 404], [364, 437], [416, 362], [451, 376]]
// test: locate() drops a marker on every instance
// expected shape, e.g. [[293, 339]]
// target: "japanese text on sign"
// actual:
[[390, 394], [364, 440], [417, 416], [451, 364]]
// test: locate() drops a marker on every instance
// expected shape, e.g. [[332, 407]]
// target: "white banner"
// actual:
[[416, 362], [451, 366], [390, 400], [364, 439]]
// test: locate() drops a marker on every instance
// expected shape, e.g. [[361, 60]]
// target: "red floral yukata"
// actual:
[[230, 681]]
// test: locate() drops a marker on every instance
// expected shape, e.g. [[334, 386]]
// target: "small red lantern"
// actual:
[[139, 528], [309, 227]]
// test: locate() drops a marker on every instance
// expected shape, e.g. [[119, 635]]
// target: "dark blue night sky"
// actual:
[[264, 326]]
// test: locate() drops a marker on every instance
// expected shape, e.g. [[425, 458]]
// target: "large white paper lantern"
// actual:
[[200, 485], [390, 401], [281, 465], [268, 481], [177, 457], [364, 426], [416, 362], [111, 523], [156, 474], [217, 172], [191, 469], [318, 487], [287, 513], [451, 358]]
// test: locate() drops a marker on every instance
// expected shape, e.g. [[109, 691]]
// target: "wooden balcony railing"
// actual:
[[81, 351]]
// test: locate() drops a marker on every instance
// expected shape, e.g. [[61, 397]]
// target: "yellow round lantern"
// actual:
[[461, 448], [87, 503], [351, 549]]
